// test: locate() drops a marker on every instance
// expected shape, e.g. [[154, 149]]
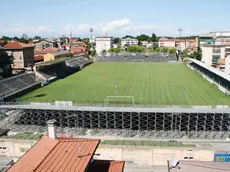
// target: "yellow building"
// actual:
[[56, 55]]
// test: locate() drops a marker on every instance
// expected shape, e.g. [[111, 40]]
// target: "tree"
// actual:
[[135, 48], [198, 53], [5, 63], [37, 38], [116, 40], [114, 50]]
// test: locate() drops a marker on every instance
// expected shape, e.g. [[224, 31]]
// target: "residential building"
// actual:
[[77, 50], [103, 43], [146, 44], [129, 41], [227, 65], [56, 55], [180, 44], [45, 43], [23, 54], [212, 53], [51, 153], [39, 54]]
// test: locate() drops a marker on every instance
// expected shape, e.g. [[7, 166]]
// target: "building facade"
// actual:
[[23, 54], [180, 44], [227, 65], [103, 43], [45, 43], [129, 41], [213, 53]]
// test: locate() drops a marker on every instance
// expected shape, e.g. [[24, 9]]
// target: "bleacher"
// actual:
[[130, 57], [15, 84], [63, 68], [78, 62]]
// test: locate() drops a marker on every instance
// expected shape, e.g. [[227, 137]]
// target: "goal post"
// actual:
[[120, 100]]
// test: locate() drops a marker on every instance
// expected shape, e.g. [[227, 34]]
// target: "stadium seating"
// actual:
[[17, 83], [63, 69], [129, 57]]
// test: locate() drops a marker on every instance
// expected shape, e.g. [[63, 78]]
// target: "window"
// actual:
[[190, 157], [185, 157]]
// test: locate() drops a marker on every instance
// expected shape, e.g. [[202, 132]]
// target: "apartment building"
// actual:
[[23, 54], [129, 41], [45, 43], [103, 43]]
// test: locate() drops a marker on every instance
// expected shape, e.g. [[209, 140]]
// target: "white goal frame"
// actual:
[[119, 97], [137, 60]]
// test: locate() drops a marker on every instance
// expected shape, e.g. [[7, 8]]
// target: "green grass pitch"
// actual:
[[150, 84]]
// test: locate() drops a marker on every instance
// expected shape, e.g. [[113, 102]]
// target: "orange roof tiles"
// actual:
[[221, 61], [106, 166], [16, 45], [66, 154]]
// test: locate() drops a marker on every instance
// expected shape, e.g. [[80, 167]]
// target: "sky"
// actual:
[[49, 18]]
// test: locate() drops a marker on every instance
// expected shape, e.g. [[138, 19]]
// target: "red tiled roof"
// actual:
[[16, 45], [66, 154], [38, 58], [106, 166]]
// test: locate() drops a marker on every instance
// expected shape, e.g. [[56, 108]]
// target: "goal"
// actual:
[[125, 100]]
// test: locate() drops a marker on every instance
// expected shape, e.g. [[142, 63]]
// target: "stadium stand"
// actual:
[[16, 84], [63, 68], [215, 75], [130, 57]]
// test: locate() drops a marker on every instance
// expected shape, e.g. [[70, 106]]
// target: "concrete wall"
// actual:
[[151, 156], [15, 148], [227, 65]]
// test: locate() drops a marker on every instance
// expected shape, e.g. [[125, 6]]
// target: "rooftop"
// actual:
[[63, 154], [60, 53], [201, 166], [16, 45]]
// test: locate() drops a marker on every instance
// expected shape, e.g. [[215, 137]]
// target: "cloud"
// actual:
[[117, 27]]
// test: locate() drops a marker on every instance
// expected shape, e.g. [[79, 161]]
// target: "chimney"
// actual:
[[52, 128]]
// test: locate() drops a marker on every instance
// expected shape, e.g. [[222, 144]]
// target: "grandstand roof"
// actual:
[[201, 166], [212, 69], [16, 45], [63, 154]]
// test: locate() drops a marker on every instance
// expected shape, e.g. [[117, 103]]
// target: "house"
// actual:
[[45, 43], [64, 154], [56, 55], [23, 54], [129, 41], [39, 54], [180, 44], [77, 50]]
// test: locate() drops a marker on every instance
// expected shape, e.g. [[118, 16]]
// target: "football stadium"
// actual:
[[144, 95]]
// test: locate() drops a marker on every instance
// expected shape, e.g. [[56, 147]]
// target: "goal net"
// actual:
[[123, 100], [137, 61]]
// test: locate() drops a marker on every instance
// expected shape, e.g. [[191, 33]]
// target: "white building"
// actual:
[[103, 43], [129, 41], [227, 65]]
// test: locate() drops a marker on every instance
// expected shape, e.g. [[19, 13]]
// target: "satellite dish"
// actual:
[[227, 139], [174, 163]]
